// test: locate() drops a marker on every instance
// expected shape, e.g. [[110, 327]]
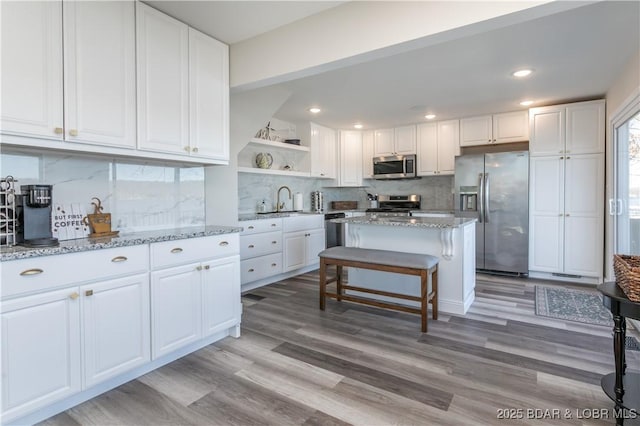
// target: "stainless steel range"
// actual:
[[396, 205]]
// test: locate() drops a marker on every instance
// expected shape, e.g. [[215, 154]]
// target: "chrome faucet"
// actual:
[[279, 205]]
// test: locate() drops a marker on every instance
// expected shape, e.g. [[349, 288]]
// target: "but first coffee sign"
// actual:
[[66, 222]]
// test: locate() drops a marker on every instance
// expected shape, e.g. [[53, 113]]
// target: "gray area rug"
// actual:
[[576, 305], [572, 305]]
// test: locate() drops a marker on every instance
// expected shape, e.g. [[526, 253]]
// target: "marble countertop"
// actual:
[[416, 222], [123, 240]]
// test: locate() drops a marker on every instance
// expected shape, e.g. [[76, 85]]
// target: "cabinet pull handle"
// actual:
[[74, 296], [176, 250], [88, 293], [199, 268], [119, 259], [73, 132], [207, 267], [34, 271], [274, 264], [58, 130], [251, 270], [274, 242], [567, 214], [251, 246], [562, 158], [568, 158], [250, 227], [223, 243], [273, 224]]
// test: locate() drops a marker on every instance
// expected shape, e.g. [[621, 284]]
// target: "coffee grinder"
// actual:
[[34, 216]]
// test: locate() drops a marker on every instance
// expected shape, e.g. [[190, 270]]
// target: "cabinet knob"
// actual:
[[251, 270], [273, 224], [251, 246], [58, 130], [74, 296], [560, 214], [223, 243], [562, 158], [176, 250], [73, 132], [194, 149], [199, 268], [88, 293], [568, 158], [567, 214], [186, 148], [119, 259], [495, 140], [274, 264], [207, 267], [34, 271], [251, 227], [274, 242], [321, 174]]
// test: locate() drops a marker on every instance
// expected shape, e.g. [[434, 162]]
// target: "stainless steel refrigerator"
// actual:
[[494, 188]]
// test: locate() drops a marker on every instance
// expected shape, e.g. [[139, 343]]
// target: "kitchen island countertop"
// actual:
[[123, 240], [417, 222]]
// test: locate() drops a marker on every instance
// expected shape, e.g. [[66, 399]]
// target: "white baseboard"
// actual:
[[573, 280]]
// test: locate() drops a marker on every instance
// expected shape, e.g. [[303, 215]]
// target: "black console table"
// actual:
[[622, 387]]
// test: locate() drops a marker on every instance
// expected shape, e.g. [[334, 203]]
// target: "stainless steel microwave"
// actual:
[[394, 167]]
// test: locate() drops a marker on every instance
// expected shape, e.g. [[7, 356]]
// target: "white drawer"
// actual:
[[260, 267], [303, 222], [260, 225], [48, 272], [179, 252], [260, 244]]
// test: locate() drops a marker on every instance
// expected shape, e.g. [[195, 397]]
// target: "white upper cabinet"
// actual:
[[323, 151], [438, 144], [163, 82], [497, 128], [208, 96], [350, 158], [32, 69], [99, 72], [576, 128], [367, 154], [397, 141]]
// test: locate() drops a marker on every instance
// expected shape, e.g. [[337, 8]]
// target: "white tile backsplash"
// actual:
[[139, 195]]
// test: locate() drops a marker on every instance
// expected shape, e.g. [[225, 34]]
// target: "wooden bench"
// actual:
[[422, 265]]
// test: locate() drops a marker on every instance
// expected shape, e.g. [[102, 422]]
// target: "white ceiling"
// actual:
[[234, 21], [577, 54]]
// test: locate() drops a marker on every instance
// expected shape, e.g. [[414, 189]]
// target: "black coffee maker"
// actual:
[[34, 216]]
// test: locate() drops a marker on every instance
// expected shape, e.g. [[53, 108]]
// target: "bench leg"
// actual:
[[323, 282], [423, 300], [434, 289], [339, 282]]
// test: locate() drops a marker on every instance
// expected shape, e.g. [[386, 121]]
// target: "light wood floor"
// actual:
[[296, 365]]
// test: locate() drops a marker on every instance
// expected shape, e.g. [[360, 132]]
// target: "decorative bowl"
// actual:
[[264, 160]]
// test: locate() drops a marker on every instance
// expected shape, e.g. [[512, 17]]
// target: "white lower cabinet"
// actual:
[[41, 353], [197, 299], [301, 248], [115, 321]]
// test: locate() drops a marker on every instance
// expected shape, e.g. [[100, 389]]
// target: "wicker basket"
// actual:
[[627, 269]]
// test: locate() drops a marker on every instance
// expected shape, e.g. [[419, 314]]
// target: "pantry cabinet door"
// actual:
[[40, 351], [546, 131], [585, 128], [163, 82], [100, 72], [32, 68], [115, 318], [209, 96]]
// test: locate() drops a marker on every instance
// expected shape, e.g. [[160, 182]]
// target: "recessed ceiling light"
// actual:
[[430, 116], [314, 110], [522, 73], [358, 126], [526, 103]]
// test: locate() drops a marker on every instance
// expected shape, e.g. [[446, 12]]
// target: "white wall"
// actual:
[[625, 86], [359, 31], [250, 111]]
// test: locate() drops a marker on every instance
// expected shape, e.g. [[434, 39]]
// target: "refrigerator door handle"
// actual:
[[485, 194], [480, 197]]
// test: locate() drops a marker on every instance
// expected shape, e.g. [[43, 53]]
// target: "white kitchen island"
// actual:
[[450, 239]]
